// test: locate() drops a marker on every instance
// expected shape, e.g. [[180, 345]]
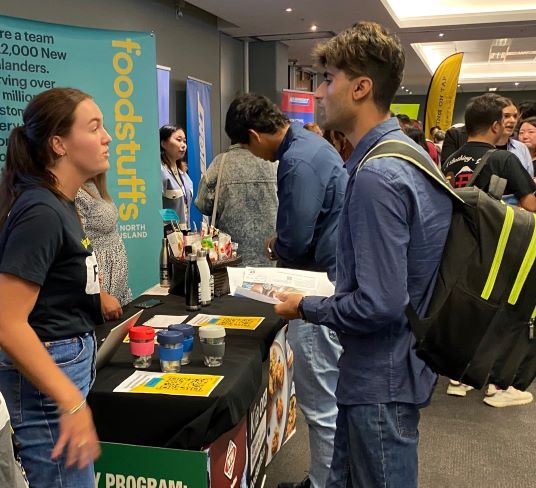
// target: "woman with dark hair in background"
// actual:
[[418, 136], [49, 287], [527, 135], [99, 217], [177, 187]]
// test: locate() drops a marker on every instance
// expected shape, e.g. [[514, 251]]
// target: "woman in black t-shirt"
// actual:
[[49, 286]]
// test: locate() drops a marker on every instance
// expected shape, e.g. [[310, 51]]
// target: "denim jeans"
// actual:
[[35, 419], [316, 352], [376, 447]]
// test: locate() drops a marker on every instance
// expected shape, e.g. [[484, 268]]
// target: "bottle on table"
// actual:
[[164, 264], [192, 281], [204, 273]]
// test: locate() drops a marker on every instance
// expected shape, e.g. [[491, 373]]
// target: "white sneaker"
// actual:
[[508, 398], [458, 389]]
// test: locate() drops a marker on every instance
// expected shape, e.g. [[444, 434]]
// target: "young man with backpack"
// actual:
[[392, 230], [484, 122]]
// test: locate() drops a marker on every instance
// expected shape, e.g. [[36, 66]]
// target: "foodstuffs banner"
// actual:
[[441, 95], [298, 105], [117, 68], [198, 135]]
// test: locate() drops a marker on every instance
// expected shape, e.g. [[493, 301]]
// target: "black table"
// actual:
[[178, 421]]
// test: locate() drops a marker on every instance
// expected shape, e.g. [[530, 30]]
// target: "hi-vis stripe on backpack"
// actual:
[[479, 326]]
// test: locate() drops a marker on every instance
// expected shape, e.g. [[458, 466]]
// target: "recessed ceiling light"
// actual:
[[407, 89], [411, 93], [288, 10], [314, 27], [402, 87], [516, 83], [492, 88], [441, 34]]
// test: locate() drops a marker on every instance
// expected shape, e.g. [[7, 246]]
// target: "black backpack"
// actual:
[[479, 326]]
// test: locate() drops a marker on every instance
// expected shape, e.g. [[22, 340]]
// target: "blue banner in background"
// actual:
[[198, 134], [163, 75], [117, 68]]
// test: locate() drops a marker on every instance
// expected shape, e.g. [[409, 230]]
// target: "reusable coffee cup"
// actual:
[[212, 338], [170, 350], [141, 345], [188, 331]]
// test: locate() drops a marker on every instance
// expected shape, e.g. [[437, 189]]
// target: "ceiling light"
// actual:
[[402, 87], [459, 86], [441, 34], [288, 10], [411, 93], [407, 89], [516, 83], [314, 27], [492, 88]]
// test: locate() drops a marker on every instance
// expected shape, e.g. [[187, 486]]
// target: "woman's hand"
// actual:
[[78, 438], [110, 306]]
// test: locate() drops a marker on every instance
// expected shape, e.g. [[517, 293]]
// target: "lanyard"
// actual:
[[181, 185]]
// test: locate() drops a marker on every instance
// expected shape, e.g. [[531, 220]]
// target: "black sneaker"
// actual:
[[306, 483]]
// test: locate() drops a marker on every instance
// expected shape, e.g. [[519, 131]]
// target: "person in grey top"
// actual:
[[247, 204], [11, 472]]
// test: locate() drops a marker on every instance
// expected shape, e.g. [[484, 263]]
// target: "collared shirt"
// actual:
[[310, 187], [523, 154], [392, 230]]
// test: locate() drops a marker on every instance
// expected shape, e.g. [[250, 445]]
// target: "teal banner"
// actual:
[[127, 466], [118, 69]]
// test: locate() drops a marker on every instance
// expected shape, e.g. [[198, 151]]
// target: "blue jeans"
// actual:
[[35, 418], [376, 447], [316, 352]]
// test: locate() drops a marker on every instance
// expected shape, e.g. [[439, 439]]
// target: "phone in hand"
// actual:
[[152, 302]]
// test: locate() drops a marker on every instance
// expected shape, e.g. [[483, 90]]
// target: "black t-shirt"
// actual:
[[43, 242], [459, 168]]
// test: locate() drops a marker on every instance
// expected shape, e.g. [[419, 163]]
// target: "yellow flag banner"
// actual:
[[442, 94]]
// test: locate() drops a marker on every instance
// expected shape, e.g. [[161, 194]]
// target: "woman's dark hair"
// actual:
[[165, 133], [418, 136], [29, 152]]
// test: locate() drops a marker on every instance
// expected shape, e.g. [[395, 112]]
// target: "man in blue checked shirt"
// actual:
[[310, 189], [392, 230]]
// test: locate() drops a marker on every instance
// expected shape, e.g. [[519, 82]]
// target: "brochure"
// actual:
[[227, 321], [263, 284], [199, 385]]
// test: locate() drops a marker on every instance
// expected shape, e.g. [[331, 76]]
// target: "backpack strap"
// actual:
[[402, 150], [405, 151], [497, 186]]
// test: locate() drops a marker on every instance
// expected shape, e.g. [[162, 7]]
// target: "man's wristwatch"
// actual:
[[271, 251], [300, 309]]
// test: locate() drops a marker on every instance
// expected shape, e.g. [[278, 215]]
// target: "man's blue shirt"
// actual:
[[310, 187], [392, 230]]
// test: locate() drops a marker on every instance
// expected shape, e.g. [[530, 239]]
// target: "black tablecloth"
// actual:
[[178, 421]]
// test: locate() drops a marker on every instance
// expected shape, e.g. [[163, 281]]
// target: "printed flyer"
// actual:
[[227, 321], [198, 385]]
